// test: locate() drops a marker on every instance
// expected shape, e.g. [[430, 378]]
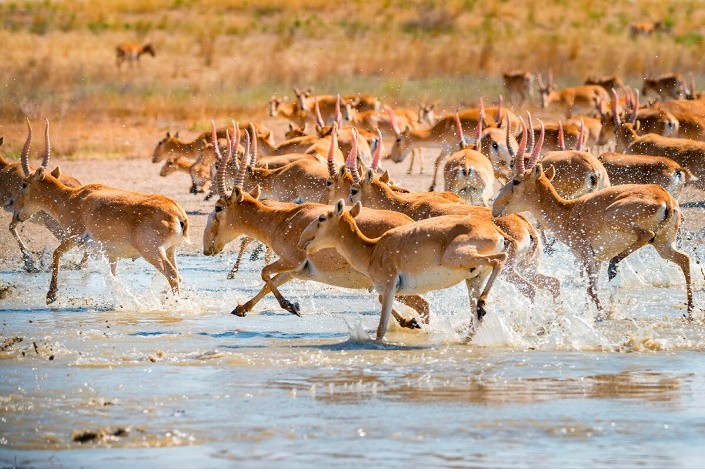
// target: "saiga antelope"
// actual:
[[646, 28], [607, 82], [666, 86], [583, 98], [279, 225], [121, 223], [446, 250], [11, 177], [131, 53], [607, 225], [520, 84]]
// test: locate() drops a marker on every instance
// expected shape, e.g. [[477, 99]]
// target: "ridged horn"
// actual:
[[25, 150], [47, 145]]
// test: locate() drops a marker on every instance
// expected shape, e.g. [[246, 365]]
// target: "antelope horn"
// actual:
[[319, 118], [550, 77], [482, 109], [352, 159], [537, 150], [539, 80], [331, 152], [214, 141], [222, 165], [509, 143], [632, 118], [253, 156], [581, 136], [25, 150], [459, 128], [499, 109], [393, 120], [561, 136], [615, 115], [378, 152], [240, 179], [338, 114], [691, 76], [235, 144], [47, 145], [532, 141], [519, 158], [479, 136]]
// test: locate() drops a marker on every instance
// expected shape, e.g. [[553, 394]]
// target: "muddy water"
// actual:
[[117, 374]]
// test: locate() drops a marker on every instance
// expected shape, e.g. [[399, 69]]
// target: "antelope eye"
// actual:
[[329, 183], [218, 208], [354, 191], [495, 146], [24, 184], [321, 218], [516, 182], [399, 139]]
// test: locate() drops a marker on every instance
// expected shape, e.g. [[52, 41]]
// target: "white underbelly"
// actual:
[[432, 278]]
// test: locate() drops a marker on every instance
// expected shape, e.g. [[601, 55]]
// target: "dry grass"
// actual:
[[227, 57]]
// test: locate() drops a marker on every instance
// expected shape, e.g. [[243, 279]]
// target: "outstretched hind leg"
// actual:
[[276, 281], [668, 252], [643, 237], [243, 245], [158, 258]]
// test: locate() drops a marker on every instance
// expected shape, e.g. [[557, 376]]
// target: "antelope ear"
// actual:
[[550, 173], [291, 126], [407, 129], [339, 208], [304, 128], [637, 125], [385, 177], [342, 171], [369, 175], [318, 130], [168, 135], [56, 172], [256, 192], [355, 210], [538, 170], [39, 174], [237, 195], [176, 135]]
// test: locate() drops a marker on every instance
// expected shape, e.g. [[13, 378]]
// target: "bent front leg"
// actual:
[[26, 255], [64, 247]]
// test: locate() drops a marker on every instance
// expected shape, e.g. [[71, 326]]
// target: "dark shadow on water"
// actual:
[[693, 205], [271, 335], [356, 345], [145, 334]]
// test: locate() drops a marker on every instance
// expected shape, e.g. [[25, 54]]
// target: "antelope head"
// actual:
[[31, 190], [302, 95], [545, 89], [521, 192], [426, 115], [274, 103], [324, 232]]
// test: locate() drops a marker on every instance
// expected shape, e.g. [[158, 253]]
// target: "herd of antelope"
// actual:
[[605, 181]]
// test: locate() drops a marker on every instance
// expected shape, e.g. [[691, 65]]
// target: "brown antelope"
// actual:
[[639, 169], [646, 28], [576, 173], [689, 89], [11, 177], [426, 115], [606, 225], [524, 248], [279, 225], [666, 86], [593, 128], [607, 82], [131, 53], [121, 223], [447, 250], [583, 98], [289, 110], [520, 84], [329, 106], [690, 115]]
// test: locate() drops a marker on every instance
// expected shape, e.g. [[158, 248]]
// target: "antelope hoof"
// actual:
[[29, 267], [51, 297], [431, 188], [409, 324], [612, 269], [193, 190], [231, 274], [292, 308], [689, 317], [481, 312], [239, 311]]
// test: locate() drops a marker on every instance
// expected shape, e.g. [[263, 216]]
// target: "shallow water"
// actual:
[[181, 383]]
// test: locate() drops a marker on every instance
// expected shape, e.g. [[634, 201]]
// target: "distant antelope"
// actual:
[[131, 53], [646, 28], [607, 225], [607, 82], [427, 115], [583, 98], [666, 86], [689, 89], [520, 84], [121, 223], [289, 110]]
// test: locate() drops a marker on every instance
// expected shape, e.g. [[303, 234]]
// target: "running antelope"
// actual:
[[688, 153], [131, 53], [289, 110], [606, 225], [640, 169], [447, 250], [690, 115], [11, 177], [520, 84], [121, 223], [666, 86], [279, 226], [583, 98]]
